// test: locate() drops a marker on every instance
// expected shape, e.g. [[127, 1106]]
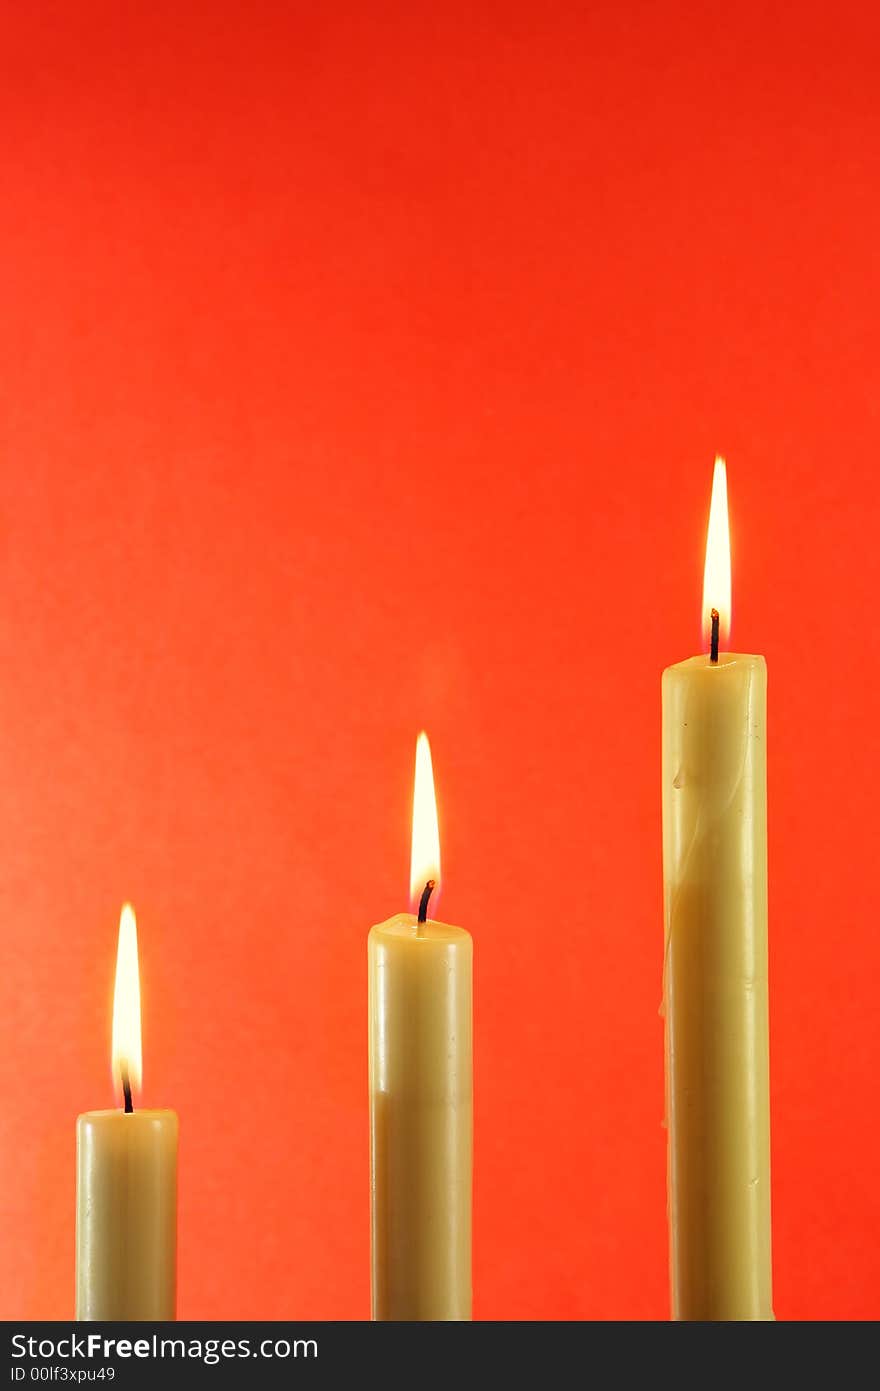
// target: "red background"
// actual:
[[361, 369]]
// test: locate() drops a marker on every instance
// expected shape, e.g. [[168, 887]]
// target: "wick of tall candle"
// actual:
[[713, 642], [126, 1092], [423, 901]]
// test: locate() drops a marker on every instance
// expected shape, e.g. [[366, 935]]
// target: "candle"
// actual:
[[126, 1178], [715, 972], [421, 1097]]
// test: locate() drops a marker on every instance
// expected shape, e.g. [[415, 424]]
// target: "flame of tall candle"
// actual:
[[716, 576], [425, 861], [126, 1052]]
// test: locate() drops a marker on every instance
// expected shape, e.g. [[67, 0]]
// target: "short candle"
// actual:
[[126, 1178]]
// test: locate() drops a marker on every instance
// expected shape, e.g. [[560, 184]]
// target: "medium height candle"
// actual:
[[715, 974], [421, 1107], [126, 1179]]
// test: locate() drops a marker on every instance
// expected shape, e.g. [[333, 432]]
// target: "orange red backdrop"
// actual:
[[361, 369]]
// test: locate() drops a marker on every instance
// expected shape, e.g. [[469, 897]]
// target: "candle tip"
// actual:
[[423, 901], [126, 1092], [713, 644]]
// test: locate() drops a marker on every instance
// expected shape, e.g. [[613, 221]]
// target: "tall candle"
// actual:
[[715, 974], [126, 1179], [421, 1108]]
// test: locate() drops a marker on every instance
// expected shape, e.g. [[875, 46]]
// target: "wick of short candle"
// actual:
[[126, 1092], [713, 642], [423, 901]]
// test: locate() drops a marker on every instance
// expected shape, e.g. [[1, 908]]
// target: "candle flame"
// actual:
[[425, 861], [126, 1054], [716, 576]]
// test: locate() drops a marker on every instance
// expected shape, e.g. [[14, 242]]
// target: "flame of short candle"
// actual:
[[425, 862], [716, 576], [126, 1054]]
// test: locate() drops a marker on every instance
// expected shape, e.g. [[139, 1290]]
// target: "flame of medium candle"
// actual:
[[126, 1048], [716, 576], [425, 861]]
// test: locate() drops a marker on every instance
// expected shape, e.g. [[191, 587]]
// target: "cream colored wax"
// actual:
[[126, 1215], [715, 873], [421, 1113]]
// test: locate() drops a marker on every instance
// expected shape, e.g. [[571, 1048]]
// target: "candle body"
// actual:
[[126, 1215], [715, 986], [421, 1119]]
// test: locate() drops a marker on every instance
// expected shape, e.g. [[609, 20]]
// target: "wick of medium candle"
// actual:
[[713, 642], [126, 1092], [423, 901]]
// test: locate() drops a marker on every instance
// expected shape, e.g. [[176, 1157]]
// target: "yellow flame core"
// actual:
[[127, 1004], [716, 576], [425, 861]]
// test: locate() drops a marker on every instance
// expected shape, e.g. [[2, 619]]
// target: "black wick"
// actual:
[[126, 1092], [423, 901], [713, 642]]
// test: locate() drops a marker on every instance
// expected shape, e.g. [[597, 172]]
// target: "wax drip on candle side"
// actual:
[[713, 641], [423, 901], [126, 1092]]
